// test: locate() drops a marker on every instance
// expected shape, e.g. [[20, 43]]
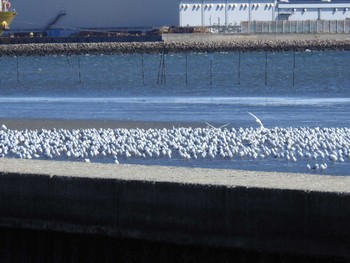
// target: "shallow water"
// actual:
[[303, 89]]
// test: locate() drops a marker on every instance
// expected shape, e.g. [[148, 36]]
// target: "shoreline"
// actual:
[[32, 124], [117, 48]]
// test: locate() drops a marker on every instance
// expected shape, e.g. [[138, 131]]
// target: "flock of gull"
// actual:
[[316, 147]]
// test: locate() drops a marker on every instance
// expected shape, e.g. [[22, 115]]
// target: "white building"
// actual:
[[233, 12], [321, 10], [36, 15]]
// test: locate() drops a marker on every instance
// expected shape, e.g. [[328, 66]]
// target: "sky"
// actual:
[[95, 14]]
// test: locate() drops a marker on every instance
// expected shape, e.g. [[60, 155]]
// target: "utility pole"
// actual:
[[202, 13], [250, 11]]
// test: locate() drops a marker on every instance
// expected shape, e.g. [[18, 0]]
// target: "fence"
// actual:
[[286, 26]]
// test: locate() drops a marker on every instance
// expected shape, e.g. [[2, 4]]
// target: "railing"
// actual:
[[306, 27]]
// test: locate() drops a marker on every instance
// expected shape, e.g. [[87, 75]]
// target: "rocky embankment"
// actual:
[[174, 47]]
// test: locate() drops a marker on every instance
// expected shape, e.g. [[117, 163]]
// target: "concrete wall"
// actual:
[[296, 27], [266, 212], [246, 37], [27, 245]]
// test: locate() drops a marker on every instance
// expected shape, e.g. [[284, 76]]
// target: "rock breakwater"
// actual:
[[171, 47]]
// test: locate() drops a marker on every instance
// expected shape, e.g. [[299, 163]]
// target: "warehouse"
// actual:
[[67, 15], [231, 12]]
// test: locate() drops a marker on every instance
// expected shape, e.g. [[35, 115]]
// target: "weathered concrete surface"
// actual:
[[267, 212], [179, 43], [181, 38]]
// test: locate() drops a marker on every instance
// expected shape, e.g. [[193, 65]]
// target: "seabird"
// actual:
[[257, 119], [213, 127]]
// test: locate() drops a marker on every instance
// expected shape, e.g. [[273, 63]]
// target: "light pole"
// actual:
[[250, 11], [226, 16], [202, 13]]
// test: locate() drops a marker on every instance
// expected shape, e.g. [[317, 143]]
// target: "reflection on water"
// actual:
[[314, 74]]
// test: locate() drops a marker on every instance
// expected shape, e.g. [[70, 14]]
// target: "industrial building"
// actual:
[[209, 13], [60, 17]]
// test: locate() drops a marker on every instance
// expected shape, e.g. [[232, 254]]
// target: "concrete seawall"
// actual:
[[181, 38], [180, 43], [295, 214]]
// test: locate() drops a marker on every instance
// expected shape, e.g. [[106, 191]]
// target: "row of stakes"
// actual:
[[161, 76]]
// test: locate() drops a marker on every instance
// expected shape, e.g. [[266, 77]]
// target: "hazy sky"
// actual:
[[92, 13]]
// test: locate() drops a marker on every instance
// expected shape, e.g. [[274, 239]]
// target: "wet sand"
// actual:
[[32, 124]]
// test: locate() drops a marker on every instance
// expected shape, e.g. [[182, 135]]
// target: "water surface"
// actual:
[[303, 89]]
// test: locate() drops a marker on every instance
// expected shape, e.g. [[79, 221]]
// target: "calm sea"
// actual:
[[283, 89]]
